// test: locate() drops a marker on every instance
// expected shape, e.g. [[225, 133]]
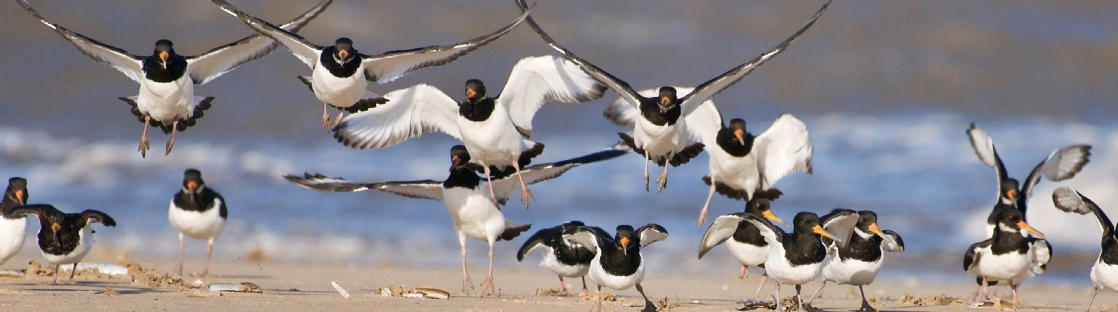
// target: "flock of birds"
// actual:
[[671, 125]]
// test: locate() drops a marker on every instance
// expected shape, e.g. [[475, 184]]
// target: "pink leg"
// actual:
[[817, 291], [584, 290], [338, 120], [487, 287], [663, 179], [171, 142], [646, 171], [764, 277], [563, 287], [467, 285], [703, 213], [209, 252], [744, 272], [525, 194], [55, 280], [144, 143], [325, 116], [182, 248], [489, 180]]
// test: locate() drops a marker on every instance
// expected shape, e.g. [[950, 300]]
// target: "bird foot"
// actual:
[[646, 183], [467, 286], [525, 195], [170, 145], [564, 293], [585, 292], [866, 308], [663, 180], [326, 122], [487, 287], [703, 220], [145, 145]]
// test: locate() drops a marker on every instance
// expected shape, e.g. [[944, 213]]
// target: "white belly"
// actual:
[[12, 234], [493, 142], [473, 213], [737, 172], [85, 243], [659, 140], [1001, 267], [851, 272], [779, 269], [552, 263], [747, 254], [167, 101], [1105, 276], [599, 276], [338, 91], [199, 225]]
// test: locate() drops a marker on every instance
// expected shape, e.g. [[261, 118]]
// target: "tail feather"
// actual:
[[513, 229]]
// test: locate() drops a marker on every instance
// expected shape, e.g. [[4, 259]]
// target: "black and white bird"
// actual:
[[167, 79], [563, 257], [855, 259], [494, 129], [13, 229], [801, 254], [199, 212], [1104, 273], [64, 238], [747, 245], [659, 134], [467, 201], [618, 262], [339, 74], [1005, 256]]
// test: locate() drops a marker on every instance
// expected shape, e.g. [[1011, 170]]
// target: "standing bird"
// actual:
[[12, 229], [1104, 273], [747, 245], [197, 211], [799, 255], [64, 238], [1006, 255], [339, 74], [473, 213], [565, 258], [494, 129], [167, 80], [856, 257], [659, 134], [618, 262]]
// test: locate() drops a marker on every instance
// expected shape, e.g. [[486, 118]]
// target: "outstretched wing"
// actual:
[[302, 49], [409, 113], [537, 80], [505, 185], [588, 236], [712, 87], [1061, 164], [840, 223], [426, 189], [538, 240], [722, 229], [94, 216], [214, 63], [127, 63], [782, 149], [1070, 200], [37, 210], [651, 233], [615, 84], [983, 146], [389, 66]]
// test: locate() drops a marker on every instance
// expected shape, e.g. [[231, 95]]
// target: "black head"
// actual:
[[343, 50], [192, 181], [737, 125], [867, 223], [17, 191], [760, 206], [808, 222], [626, 239], [1010, 191], [459, 156], [1012, 221], [667, 99], [475, 90], [164, 49]]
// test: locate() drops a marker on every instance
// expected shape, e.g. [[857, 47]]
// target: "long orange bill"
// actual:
[[1026, 227], [164, 56], [876, 230], [470, 94], [768, 214], [191, 185], [819, 230], [343, 54], [19, 197], [740, 134], [625, 245], [1012, 194]]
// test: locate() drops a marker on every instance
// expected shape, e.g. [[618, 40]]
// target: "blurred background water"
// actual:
[[887, 90]]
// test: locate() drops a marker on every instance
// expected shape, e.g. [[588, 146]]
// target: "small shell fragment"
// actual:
[[340, 289], [198, 283], [10, 273], [109, 269], [243, 287], [433, 293]]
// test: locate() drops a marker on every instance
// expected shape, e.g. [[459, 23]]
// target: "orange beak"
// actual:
[[1027, 228], [191, 185], [819, 230], [739, 133], [625, 245], [164, 55], [664, 101], [455, 159], [343, 54], [768, 214], [55, 227], [19, 197], [1012, 194], [876, 230], [470, 94]]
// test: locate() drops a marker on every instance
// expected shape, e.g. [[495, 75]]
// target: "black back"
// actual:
[[70, 225], [747, 233], [553, 237], [860, 248]]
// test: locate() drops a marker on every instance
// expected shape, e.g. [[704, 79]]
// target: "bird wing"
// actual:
[[1070, 200], [426, 189], [505, 185], [782, 149], [840, 223], [302, 49], [588, 236], [892, 242], [127, 63], [983, 146], [537, 240], [973, 255], [537, 80], [651, 233], [37, 210], [94, 216], [722, 229], [389, 66], [603, 77], [409, 113], [712, 87], [214, 63], [1042, 254], [773, 235], [1061, 164]]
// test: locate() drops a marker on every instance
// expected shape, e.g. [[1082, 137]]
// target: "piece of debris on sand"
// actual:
[[995, 303], [593, 296], [414, 292], [934, 300], [151, 277], [109, 291]]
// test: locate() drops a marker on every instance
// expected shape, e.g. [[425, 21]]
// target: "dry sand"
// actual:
[[304, 287]]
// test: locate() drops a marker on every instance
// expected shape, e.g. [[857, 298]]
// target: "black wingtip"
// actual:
[[513, 232]]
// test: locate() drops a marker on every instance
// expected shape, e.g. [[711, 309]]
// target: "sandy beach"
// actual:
[[302, 287]]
